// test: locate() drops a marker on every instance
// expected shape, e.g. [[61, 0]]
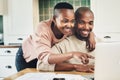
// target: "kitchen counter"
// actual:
[[9, 46], [7, 60]]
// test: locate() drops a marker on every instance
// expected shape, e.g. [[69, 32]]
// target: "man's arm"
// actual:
[[64, 67], [77, 67], [59, 58]]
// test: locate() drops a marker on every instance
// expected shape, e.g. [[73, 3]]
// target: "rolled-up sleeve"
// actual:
[[45, 67], [42, 43]]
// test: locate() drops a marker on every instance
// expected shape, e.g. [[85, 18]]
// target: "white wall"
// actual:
[[107, 15]]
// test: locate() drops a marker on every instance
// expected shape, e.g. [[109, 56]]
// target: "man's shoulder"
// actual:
[[68, 40], [72, 37]]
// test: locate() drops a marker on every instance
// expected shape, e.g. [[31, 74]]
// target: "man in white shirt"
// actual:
[[84, 18]]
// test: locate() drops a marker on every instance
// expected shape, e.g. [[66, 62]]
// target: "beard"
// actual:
[[82, 34]]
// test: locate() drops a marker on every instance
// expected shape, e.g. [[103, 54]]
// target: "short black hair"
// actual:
[[63, 5], [80, 11]]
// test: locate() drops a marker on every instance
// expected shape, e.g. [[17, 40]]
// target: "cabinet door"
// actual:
[[3, 7], [19, 22], [7, 61], [7, 66], [20, 17], [8, 51]]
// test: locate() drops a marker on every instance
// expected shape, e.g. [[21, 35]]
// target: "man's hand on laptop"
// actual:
[[83, 57], [84, 68]]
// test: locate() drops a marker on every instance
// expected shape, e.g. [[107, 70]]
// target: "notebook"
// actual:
[[107, 61]]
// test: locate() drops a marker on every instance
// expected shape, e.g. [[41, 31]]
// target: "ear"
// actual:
[[54, 19]]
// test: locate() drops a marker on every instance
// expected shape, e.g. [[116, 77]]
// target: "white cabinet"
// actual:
[[7, 61], [107, 14], [19, 22], [109, 37], [3, 7]]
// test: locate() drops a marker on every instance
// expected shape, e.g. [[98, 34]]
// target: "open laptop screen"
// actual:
[[107, 61]]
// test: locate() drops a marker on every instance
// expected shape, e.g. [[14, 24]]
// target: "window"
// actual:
[[46, 6]]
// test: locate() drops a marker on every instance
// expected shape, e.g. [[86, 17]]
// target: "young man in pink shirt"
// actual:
[[38, 46]]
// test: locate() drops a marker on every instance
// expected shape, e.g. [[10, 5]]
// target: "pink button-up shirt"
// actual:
[[38, 45]]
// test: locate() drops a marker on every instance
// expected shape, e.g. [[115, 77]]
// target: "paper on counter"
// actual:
[[49, 76], [36, 76]]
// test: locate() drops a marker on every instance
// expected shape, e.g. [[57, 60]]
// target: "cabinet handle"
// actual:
[[8, 66], [20, 39], [107, 37], [7, 51]]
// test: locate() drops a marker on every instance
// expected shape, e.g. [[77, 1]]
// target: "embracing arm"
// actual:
[[90, 43]]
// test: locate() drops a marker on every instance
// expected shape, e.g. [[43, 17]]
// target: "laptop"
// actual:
[[107, 61]]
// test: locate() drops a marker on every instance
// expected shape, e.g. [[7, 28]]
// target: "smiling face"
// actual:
[[64, 21], [85, 24]]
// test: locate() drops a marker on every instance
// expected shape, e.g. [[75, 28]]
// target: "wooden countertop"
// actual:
[[9, 46], [33, 70]]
